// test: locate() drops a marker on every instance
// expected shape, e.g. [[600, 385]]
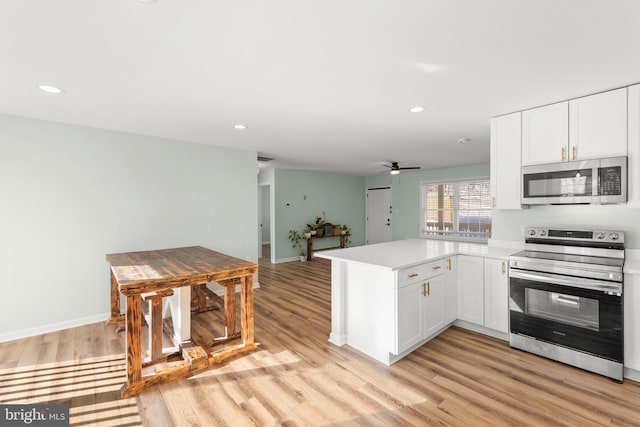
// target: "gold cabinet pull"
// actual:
[[503, 267], [449, 263], [435, 267], [428, 288], [413, 275], [563, 153], [424, 290], [573, 152]]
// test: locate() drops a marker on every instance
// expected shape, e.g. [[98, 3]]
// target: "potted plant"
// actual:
[[336, 229], [328, 229], [347, 232], [294, 238], [303, 255], [307, 232], [320, 226]]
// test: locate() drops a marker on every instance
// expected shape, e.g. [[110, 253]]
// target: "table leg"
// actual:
[[134, 340], [115, 302], [230, 309], [246, 310]]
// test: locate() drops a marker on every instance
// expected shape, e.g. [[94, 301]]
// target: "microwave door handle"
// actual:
[[556, 279]]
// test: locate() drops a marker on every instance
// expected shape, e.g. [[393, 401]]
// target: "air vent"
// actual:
[[264, 159]]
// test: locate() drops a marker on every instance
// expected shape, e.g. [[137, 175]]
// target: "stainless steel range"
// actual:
[[566, 298]]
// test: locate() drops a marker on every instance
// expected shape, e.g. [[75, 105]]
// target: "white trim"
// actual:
[[281, 260], [632, 374], [54, 327]]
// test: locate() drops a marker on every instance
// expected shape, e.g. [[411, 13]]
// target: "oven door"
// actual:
[[582, 314]]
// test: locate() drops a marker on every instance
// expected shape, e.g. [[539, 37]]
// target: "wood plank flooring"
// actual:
[[297, 378]]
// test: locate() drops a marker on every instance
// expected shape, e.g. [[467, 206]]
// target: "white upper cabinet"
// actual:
[[506, 134], [634, 147], [598, 125], [545, 134]]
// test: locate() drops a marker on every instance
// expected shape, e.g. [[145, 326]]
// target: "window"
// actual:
[[459, 209]]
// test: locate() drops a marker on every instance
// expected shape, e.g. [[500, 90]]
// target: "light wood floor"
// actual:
[[296, 378]]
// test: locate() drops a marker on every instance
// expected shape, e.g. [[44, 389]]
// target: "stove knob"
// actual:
[[613, 236], [599, 235], [543, 232], [532, 232]]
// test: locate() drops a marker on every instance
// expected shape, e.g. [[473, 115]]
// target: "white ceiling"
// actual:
[[321, 84]]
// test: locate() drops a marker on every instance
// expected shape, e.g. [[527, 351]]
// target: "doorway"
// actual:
[[379, 215], [265, 240]]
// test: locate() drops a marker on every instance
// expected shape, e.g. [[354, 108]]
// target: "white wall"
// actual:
[[509, 224], [69, 195]]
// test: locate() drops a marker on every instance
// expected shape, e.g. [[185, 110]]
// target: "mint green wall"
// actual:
[[72, 194], [340, 197], [405, 193]]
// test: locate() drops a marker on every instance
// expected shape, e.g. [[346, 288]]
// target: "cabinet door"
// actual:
[[598, 125], [545, 134], [470, 278], [506, 156], [433, 305], [496, 295], [633, 146], [631, 321], [409, 312], [451, 294]]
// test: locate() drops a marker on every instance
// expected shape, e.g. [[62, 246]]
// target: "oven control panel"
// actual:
[[574, 235]]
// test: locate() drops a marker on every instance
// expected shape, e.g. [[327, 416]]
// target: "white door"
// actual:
[[378, 215]]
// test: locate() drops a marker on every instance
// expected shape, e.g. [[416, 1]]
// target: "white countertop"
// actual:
[[400, 254]]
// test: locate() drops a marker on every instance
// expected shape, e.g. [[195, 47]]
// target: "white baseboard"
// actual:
[[30, 332], [481, 329], [281, 260], [632, 374]]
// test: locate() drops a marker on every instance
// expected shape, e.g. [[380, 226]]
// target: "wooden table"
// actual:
[[152, 275], [310, 240]]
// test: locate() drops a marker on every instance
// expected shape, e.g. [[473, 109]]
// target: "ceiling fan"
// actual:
[[395, 169]]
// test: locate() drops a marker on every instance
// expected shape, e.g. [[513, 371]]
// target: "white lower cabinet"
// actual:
[[470, 270], [496, 294], [409, 323], [423, 305], [451, 292], [433, 295], [631, 297], [483, 292]]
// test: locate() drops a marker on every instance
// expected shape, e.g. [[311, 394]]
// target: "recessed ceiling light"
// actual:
[[463, 140], [50, 89], [416, 109], [240, 126]]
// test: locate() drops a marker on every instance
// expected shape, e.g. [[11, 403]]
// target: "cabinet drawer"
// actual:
[[423, 271]]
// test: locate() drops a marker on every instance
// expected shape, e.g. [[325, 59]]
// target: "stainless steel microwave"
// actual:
[[598, 181]]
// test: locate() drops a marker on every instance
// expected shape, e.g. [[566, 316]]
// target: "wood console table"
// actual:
[[312, 238], [152, 275]]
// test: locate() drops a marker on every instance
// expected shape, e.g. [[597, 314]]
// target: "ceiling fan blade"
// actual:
[[410, 167]]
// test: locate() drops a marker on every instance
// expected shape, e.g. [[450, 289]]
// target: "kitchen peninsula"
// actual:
[[388, 299]]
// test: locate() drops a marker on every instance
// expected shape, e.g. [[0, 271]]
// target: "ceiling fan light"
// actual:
[[394, 172]]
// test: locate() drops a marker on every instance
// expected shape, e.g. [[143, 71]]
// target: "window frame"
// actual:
[[456, 206]]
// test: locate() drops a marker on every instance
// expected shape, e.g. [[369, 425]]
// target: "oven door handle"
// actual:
[[577, 282]]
